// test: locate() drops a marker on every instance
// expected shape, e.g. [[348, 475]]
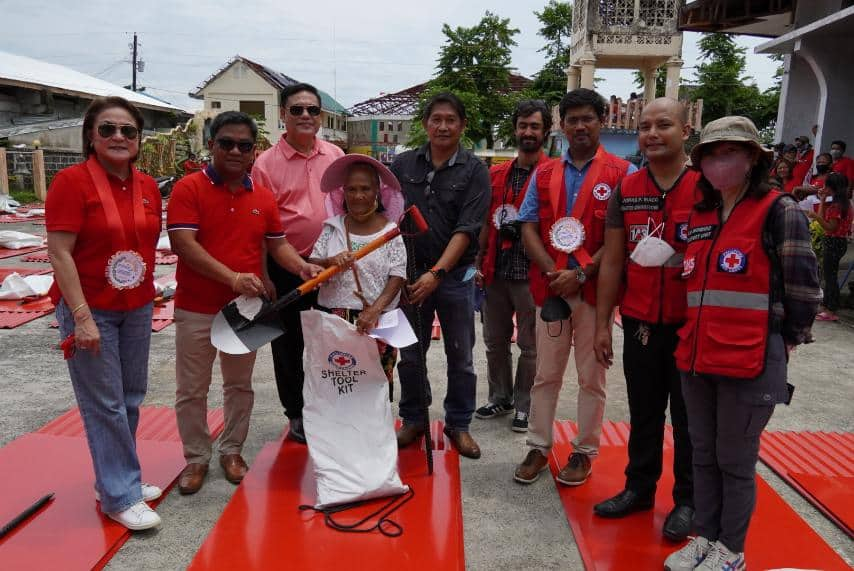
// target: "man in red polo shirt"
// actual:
[[841, 163], [219, 223]]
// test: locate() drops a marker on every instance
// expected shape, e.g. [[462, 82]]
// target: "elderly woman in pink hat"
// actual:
[[364, 201]]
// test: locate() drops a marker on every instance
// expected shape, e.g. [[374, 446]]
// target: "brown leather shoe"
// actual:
[[192, 477], [529, 470], [576, 471], [463, 442], [234, 467], [408, 434]]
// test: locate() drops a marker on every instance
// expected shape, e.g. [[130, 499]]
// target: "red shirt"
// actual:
[[231, 227], [73, 206], [845, 166], [834, 212]]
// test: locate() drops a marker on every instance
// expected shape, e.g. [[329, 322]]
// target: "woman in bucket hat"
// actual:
[[364, 201], [753, 293]]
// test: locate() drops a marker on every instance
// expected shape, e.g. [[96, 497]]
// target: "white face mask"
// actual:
[[651, 251]]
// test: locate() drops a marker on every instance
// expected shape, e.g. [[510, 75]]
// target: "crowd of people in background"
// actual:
[[824, 193], [557, 243]]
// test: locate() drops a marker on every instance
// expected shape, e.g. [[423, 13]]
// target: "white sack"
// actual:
[[347, 414], [16, 286], [19, 240]]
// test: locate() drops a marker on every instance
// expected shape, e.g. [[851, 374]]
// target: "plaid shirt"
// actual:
[[795, 289], [513, 264]]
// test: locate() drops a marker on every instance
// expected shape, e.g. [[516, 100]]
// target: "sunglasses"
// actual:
[[228, 144], [297, 110], [107, 130]]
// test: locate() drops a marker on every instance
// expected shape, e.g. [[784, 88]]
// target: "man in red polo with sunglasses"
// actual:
[[292, 170], [220, 223]]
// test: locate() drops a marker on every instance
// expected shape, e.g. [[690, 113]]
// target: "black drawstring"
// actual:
[[384, 525]]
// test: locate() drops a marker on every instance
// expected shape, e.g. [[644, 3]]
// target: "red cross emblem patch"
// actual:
[[732, 261], [342, 360], [602, 191], [682, 232]]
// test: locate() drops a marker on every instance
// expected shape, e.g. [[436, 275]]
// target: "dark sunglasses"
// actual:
[[228, 144], [297, 110], [107, 130]]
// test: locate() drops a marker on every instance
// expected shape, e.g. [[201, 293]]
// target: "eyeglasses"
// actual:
[[297, 110], [228, 144], [107, 130]]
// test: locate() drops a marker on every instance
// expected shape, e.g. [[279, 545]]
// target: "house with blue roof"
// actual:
[[245, 85]]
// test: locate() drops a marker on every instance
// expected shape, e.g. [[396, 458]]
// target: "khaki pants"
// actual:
[[554, 341], [194, 358]]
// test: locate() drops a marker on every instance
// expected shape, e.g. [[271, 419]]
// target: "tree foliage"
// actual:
[[556, 30], [475, 63], [725, 89]]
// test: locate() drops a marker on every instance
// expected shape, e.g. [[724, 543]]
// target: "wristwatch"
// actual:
[[580, 276], [438, 273]]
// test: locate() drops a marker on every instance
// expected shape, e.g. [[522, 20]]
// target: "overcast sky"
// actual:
[[354, 50]]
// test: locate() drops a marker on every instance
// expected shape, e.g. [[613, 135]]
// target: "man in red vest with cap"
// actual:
[[645, 241], [563, 230], [503, 270]]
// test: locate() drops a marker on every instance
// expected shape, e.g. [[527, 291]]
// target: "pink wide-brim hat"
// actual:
[[335, 176]]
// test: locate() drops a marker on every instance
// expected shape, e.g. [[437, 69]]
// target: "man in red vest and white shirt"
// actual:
[[563, 231], [645, 241], [503, 270]]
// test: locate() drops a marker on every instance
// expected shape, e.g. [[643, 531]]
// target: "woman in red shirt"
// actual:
[[835, 216], [103, 220]]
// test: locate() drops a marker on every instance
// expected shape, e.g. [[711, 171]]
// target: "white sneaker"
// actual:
[[138, 516], [720, 558], [150, 492], [687, 558]]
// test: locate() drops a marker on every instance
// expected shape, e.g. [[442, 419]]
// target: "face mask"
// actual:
[[555, 309], [822, 169], [836, 154], [725, 172], [652, 252]]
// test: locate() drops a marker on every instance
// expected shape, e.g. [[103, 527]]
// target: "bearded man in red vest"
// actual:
[[503, 271], [645, 241], [563, 230]]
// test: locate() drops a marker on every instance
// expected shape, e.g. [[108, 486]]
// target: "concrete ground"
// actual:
[[507, 526]]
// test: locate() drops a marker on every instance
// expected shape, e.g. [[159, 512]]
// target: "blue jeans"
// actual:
[[453, 302], [109, 388]]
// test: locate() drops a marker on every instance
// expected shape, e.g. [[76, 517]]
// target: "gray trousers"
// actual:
[[503, 299], [726, 417]]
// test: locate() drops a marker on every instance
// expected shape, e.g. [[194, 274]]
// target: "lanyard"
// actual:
[[118, 231]]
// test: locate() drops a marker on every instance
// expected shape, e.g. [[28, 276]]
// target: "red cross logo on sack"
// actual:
[[602, 191], [342, 360], [733, 261]]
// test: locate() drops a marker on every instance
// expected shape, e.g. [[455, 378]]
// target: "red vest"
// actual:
[[604, 174], [728, 276], [656, 295], [500, 178]]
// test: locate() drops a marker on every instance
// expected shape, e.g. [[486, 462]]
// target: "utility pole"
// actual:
[[133, 63]]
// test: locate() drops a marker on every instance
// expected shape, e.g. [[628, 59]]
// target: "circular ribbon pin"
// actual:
[[567, 234], [125, 269]]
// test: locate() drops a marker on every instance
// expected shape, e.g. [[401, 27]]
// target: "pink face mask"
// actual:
[[726, 171]]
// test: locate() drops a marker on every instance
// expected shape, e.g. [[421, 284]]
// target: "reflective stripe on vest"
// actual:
[[731, 299]]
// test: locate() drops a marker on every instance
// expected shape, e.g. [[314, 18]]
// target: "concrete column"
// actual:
[[588, 70], [573, 76], [674, 68], [649, 76], [4, 173], [39, 179]]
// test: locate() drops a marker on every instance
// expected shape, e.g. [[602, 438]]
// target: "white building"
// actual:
[[815, 38], [247, 86]]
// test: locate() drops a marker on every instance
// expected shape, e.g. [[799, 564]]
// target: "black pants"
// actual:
[[833, 251], [288, 348], [651, 380]]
